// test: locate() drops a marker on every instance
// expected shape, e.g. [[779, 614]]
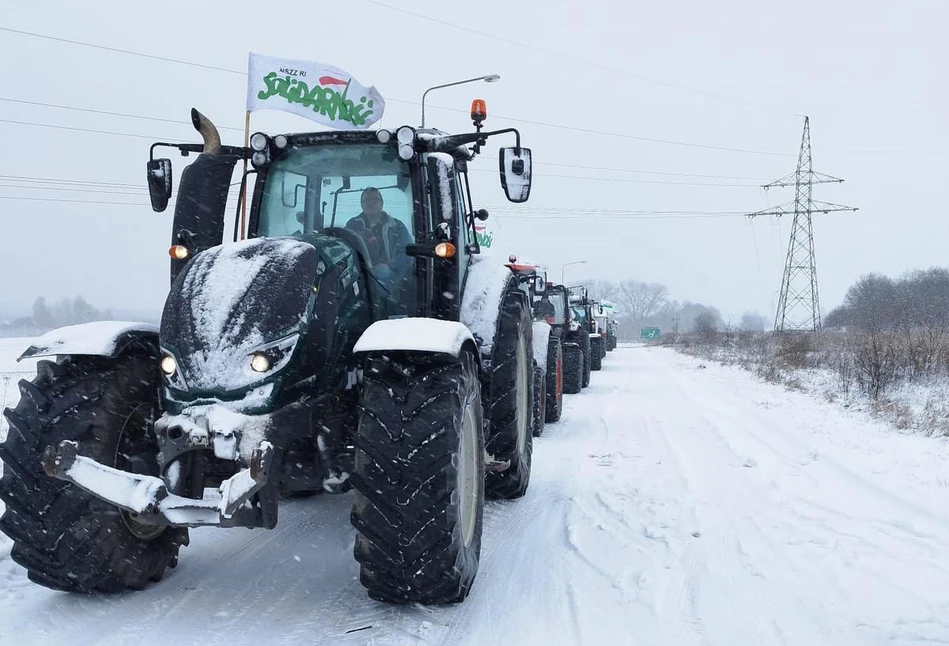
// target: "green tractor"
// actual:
[[330, 345], [583, 311], [600, 311], [611, 339], [609, 324]]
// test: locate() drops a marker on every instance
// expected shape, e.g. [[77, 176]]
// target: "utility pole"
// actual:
[[799, 304]]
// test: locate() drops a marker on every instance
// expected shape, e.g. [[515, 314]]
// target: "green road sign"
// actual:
[[649, 333]]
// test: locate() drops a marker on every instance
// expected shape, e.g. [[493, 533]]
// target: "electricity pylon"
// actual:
[[799, 304]]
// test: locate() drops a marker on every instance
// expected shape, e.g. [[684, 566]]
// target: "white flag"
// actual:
[[323, 93]]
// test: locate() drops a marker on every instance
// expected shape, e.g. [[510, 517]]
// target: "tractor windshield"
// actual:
[[311, 188], [361, 191], [560, 313]]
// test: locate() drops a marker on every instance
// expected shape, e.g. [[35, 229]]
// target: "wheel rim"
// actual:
[[467, 472], [559, 391], [523, 397], [140, 418]]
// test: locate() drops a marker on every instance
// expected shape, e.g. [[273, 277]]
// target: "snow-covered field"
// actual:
[[675, 503]]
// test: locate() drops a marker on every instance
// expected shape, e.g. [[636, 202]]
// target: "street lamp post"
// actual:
[[488, 78], [573, 262]]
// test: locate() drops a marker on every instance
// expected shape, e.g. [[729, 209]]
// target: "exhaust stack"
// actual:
[[209, 133]]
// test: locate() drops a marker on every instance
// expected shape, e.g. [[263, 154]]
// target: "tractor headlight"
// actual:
[[258, 141], [405, 135], [168, 365], [259, 362], [169, 368], [271, 357]]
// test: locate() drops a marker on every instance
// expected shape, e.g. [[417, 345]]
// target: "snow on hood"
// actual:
[[231, 300], [96, 338], [484, 289]]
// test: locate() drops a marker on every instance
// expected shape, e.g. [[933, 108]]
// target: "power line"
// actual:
[[626, 180], [53, 199], [528, 121], [644, 172], [593, 211], [98, 132], [121, 51], [83, 189], [656, 216], [606, 133], [87, 186], [560, 54], [128, 134], [632, 215], [622, 135], [25, 178], [77, 189], [111, 114]]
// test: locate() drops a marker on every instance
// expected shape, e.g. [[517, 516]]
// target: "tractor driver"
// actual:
[[385, 238], [544, 308]]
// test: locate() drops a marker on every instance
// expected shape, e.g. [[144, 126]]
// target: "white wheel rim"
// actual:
[[524, 398], [467, 472]]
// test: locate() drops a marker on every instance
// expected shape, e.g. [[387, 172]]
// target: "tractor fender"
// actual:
[[99, 338], [541, 341], [486, 285], [416, 334]]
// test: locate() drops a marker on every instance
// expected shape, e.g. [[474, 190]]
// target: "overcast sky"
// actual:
[[870, 73]]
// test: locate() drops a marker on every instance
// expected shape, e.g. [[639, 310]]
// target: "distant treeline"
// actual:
[[48, 315]]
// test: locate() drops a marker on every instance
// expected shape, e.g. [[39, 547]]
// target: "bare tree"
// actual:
[[752, 322], [602, 289], [705, 327], [638, 300]]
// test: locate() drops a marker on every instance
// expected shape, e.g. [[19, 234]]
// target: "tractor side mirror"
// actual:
[[515, 166], [159, 183], [540, 285]]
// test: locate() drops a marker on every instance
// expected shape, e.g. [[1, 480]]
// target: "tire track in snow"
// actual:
[[642, 525]]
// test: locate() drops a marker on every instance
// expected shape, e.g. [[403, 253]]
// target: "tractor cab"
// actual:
[[533, 282], [400, 198], [559, 315]]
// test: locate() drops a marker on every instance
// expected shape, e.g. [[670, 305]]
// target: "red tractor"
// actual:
[[548, 354]]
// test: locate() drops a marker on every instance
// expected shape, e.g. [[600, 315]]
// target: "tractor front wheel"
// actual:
[[510, 400], [419, 478], [65, 537], [554, 376]]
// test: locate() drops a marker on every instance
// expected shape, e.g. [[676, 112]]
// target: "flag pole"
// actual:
[[244, 176]]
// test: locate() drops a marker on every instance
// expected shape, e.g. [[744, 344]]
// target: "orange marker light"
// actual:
[[178, 252], [444, 250], [479, 110]]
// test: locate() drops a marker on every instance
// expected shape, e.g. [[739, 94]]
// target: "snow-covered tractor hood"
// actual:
[[257, 298]]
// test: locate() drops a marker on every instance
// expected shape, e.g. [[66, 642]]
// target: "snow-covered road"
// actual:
[[674, 503]]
